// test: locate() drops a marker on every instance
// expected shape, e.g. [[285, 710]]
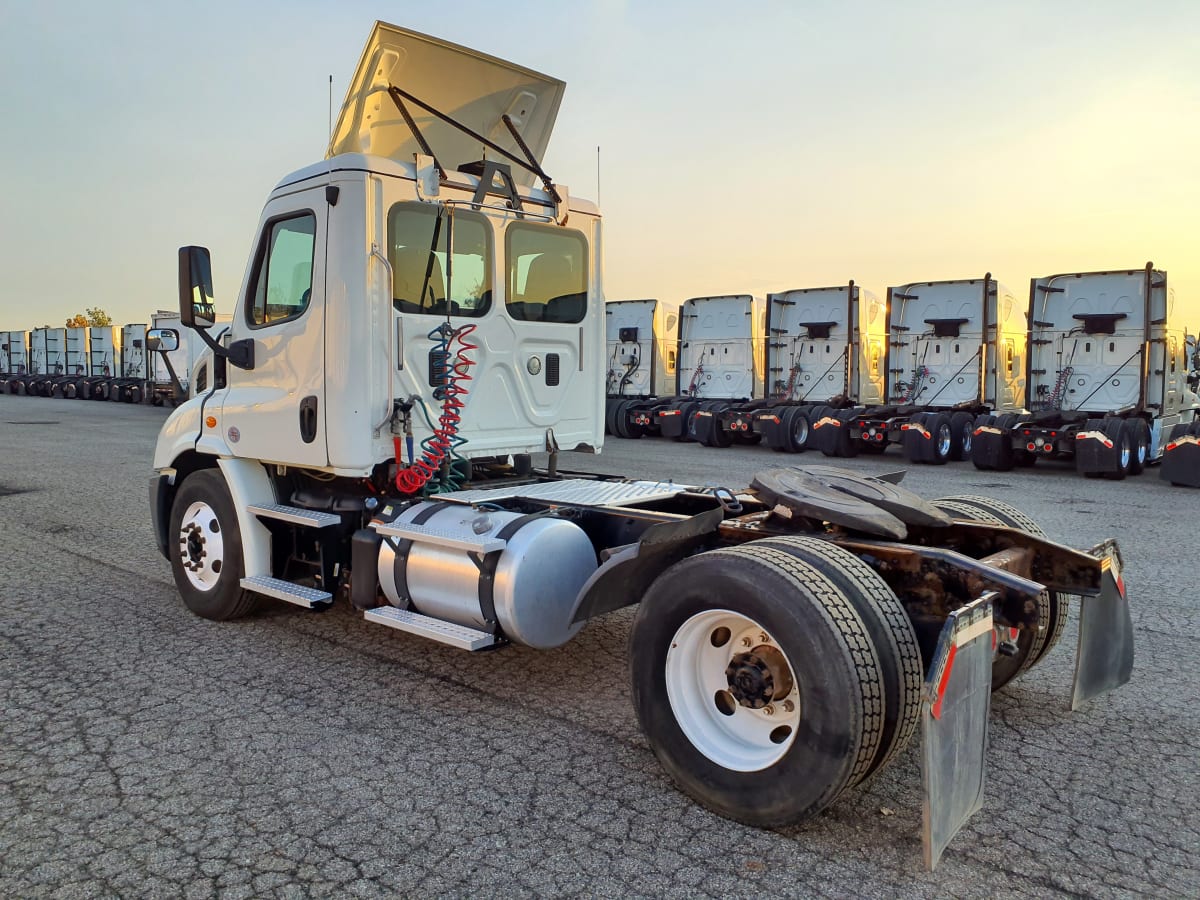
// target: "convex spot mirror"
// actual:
[[162, 340], [196, 307]]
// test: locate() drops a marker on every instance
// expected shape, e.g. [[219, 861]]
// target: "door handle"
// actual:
[[308, 419]]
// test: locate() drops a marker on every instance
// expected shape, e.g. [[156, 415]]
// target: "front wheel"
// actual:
[[205, 545], [756, 684]]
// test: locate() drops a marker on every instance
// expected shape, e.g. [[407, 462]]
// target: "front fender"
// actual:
[[184, 431]]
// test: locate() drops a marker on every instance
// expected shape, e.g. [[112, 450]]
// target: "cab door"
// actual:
[[276, 411]]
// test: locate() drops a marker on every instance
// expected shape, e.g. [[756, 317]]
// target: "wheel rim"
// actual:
[[800, 430], [966, 441], [201, 546], [944, 439], [732, 690], [1126, 454], [1142, 450]]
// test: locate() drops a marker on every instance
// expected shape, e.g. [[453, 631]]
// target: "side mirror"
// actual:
[[196, 307], [162, 340]]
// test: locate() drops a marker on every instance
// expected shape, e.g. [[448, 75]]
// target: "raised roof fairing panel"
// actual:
[[472, 87]]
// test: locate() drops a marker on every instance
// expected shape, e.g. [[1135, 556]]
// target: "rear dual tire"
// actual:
[[1053, 608], [711, 625]]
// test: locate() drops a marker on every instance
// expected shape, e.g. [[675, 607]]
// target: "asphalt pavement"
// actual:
[[147, 752]]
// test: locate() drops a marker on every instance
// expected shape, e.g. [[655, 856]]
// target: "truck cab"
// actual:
[[363, 263]]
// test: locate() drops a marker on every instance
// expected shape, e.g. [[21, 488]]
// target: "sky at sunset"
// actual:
[[744, 147]]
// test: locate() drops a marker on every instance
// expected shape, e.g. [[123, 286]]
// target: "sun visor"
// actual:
[[471, 87]]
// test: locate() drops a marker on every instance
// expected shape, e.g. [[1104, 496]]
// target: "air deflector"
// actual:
[[474, 88]]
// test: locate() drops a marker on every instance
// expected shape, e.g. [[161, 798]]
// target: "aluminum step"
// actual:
[[297, 516], [425, 534], [428, 627], [286, 590]]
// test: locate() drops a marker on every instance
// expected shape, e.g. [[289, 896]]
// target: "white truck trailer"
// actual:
[[791, 637], [955, 353], [1108, 376]]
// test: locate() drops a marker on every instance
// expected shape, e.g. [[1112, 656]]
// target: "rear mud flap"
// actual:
[[955, 705], [1181, 461], [1104, 660], [703, 426], [671, 423], [1095, 453]]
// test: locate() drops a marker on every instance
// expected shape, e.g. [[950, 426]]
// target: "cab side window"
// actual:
[[283, 271]]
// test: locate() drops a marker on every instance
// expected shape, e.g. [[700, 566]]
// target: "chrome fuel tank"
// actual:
[[531, 583]]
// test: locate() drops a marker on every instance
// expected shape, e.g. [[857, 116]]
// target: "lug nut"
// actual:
[[789, 706], [746, 642], [769, 710], [764, 638]]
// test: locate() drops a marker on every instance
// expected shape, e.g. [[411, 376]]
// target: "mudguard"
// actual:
[[1104, 659], [1181, 458], [955, 705], [1095, 452]]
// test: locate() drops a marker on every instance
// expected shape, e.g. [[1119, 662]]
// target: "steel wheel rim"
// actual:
[[966, 441], [1126, 454], [744, 739], [800, 430], [944, 439], [201, 546], [1142, 450]]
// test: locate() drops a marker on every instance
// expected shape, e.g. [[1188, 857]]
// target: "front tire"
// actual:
[[205, 545], [724, 636]]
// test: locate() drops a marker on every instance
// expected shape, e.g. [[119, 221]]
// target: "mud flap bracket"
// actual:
[[955, 704]]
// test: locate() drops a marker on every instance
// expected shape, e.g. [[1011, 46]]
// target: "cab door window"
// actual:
[[283, 271]]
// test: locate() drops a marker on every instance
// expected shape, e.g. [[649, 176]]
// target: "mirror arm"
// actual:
[[239, 353]]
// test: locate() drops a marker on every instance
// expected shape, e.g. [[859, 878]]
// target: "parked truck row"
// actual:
[[1090, 370], [424, 307], [119, 363]]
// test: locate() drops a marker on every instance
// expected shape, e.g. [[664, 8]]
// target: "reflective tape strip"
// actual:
[[936, 708], [912, 426], [972, 631], [1095, 436]]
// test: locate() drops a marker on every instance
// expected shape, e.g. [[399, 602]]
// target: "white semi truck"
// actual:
[[413, 316], [642, 353], [825, 349], [1108, 376], [14, 358], [955, 353], [719, 366]]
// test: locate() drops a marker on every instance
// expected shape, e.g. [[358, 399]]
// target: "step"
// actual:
[[441, 537], [297, 516], [428, 627], [286, 590]]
